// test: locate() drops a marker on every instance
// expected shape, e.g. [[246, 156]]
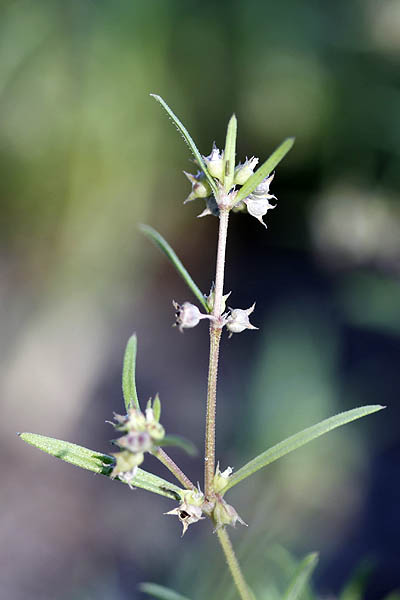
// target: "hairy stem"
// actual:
[[233, 565], [171, 466], [215, 337]]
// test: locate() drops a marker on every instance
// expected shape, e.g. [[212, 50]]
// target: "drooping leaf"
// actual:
[[297, 440], [128, 375], [298, 585], [99, 463], [230, 153], [266, 168], [160, 592], [188, 139], [180, 442], [158, 239]]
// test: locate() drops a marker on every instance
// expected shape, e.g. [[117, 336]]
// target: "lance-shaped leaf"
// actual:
[[160, 592], [179, 442], [230, 153], [128, 375], [188, 139], [99, 463], [297, 440], [266, 168], [298, 585], [158, 239]]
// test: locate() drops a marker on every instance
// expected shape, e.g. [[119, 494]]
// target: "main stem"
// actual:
[[233, 565], [215, 337]]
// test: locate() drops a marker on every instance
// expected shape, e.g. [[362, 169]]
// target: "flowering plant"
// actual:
[[225, 187]]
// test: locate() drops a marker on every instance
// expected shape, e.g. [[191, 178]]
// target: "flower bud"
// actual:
[[136, 441], [211, 299], [189, 511], [225, 514], [245, 171], [155, 430], [200, 186], [215, 163], [133, 421], [126, 465], [238, 320], [188, 315], [221, 479]]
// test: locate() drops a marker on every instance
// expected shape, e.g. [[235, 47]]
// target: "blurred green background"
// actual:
[[85, 156]]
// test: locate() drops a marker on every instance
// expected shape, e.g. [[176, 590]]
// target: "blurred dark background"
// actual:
[[85, 156]]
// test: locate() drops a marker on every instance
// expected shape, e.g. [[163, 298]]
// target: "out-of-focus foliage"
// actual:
[[85, 156]]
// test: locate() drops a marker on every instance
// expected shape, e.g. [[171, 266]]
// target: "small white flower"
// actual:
[[245, 171], [188, 315], [238, 320], [221, 479], [258, 202], [189, 511]]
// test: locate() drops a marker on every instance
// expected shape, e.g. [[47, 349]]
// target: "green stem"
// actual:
[[233, 565], [171, 466], [215, 337]]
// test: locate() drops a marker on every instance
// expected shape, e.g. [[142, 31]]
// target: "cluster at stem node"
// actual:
[[141, 433]]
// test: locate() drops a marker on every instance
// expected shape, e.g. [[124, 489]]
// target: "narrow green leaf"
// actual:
[[180, 442], [128, 375], [99, 463], [157, 408], [188, 139], [266, 168], [230, 153], [158, 239], [301, 578], [160, 592], [297, 440]]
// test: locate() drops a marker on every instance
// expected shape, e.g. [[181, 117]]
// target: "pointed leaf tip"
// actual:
[[301, 578], [163, 245], [129, 374], [297, 440], [230, 153], [265, 169], [188, 139]]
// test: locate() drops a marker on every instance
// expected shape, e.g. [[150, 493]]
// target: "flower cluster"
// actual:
[[236, 320], [142, 433], [256, 204]]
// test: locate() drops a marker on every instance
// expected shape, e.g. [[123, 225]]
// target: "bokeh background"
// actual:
[[85, 156]]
